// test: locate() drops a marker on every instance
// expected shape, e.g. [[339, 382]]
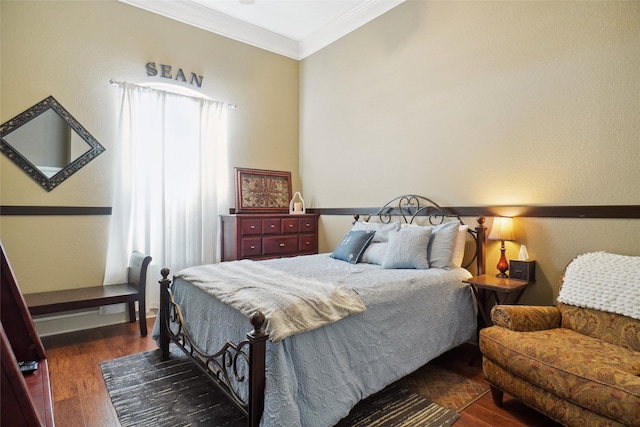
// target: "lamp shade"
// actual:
[[502, 229]]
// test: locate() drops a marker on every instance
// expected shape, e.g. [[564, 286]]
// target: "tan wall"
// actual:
[[470, 103], [71, 49], [482, 103]]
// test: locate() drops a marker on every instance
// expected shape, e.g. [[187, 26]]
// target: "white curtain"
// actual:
[[170, 172]]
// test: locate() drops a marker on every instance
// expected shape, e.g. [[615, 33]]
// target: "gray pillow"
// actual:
[[374, 254], [352, 246], [382, 230], [407, 248], [443, 240]]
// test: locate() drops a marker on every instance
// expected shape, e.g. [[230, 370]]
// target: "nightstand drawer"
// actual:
[[250, 247], [280, 245]]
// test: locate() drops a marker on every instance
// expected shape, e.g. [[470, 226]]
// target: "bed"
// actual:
[[399, 318]]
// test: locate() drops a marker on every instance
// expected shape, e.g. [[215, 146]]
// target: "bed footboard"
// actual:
[[242, 363]]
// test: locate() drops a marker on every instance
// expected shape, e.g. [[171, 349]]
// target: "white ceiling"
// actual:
[[293, 28]]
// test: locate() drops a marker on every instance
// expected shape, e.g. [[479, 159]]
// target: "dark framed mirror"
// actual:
[[47, 143]]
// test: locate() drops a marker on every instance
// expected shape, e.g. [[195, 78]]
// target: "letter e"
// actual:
[[166, 71]]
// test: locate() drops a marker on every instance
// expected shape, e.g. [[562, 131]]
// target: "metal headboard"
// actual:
[[410, 206]]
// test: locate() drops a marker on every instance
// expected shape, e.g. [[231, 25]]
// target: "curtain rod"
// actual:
[[118, 83]]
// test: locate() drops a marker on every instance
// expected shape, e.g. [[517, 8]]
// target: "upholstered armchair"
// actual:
[[579, 366]]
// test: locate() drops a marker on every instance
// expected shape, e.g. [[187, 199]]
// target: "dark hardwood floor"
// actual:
[[81, 399]]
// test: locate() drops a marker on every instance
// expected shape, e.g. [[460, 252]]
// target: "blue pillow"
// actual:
[[353, 245]]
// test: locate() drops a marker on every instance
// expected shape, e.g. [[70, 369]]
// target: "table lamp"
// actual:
[[502, 229]]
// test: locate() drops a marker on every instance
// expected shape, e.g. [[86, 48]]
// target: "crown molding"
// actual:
[[350, 21], [210, 20]]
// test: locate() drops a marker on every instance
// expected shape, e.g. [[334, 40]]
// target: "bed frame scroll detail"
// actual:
[[244, 362]]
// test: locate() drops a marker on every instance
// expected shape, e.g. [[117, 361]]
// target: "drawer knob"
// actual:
[[273, 226], [290, 225], [252, 227], [253, 247], [282, 245]]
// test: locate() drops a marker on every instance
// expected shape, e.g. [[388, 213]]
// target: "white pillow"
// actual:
[[407, 248], [382, 230], [443, 239], [458, 247], [374, 254]]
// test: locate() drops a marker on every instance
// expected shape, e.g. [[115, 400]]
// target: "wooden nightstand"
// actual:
[[490, 290]]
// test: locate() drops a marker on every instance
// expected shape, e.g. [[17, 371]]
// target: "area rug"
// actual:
[[446, 388], [398, 407], [148, 392]]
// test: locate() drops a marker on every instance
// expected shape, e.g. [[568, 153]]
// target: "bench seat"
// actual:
[[76, 299], [98, 296]]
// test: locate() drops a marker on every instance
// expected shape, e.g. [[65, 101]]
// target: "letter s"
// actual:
[[151, 69]]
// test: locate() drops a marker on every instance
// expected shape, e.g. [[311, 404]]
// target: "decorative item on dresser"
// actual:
[[261, 191], [297, 205], [264, 236]]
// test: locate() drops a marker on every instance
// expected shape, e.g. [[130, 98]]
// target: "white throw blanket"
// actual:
[[603, 281], [291, 304]]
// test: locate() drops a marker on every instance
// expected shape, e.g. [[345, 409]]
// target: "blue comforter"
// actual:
[[316, 377]]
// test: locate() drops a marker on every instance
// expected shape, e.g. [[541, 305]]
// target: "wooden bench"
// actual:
[[97, 296]]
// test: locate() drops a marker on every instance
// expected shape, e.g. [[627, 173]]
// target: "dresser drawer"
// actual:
[[250, 226], [250, 247], [290, 225], [307, 243], [271, 226], [280, 245], [306, 225]]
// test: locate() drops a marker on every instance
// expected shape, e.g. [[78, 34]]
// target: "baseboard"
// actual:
[[47, 325]]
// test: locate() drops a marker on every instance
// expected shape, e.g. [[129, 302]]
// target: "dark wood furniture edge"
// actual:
[[603, 211], [54, 210], [25, 400]]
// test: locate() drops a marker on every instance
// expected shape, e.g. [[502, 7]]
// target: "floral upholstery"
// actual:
[[561, 410], [610, 327], [525, 318], [579, 366]]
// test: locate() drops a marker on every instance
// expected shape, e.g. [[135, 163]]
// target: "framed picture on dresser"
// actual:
[[259, 190]]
